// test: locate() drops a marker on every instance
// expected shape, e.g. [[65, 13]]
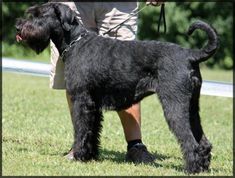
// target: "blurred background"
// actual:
[[36, 121], [179, 15]]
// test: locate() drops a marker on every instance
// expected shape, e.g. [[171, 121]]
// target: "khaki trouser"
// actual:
[[98, 17]]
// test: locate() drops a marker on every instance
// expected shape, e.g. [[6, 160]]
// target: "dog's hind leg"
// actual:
[[176, 111], [205, 146], [87, 119]]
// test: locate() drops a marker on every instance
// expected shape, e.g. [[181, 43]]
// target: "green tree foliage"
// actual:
[[179, 15], [10, 12]]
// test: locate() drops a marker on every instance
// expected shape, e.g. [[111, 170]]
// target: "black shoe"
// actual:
[[139, 154]]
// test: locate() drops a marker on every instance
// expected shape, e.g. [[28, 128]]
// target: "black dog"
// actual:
[[102, 73]]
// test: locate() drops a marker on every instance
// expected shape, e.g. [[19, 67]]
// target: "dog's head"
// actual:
[[44, 22]]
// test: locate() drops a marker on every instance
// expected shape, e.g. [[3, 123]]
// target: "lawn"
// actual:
[[36, 131]]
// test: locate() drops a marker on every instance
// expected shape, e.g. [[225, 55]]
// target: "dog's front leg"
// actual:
[[87, 126]]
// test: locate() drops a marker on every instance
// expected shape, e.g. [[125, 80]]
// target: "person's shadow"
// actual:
[[119, 157]]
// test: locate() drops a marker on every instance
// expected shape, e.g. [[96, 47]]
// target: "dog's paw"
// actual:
[[199, 161], [193, 167], [204, 152], [79, 156]]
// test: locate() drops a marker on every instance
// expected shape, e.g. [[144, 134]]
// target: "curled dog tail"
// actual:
[[213, 42]]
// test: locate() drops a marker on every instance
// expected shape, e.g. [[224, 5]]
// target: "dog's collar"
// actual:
[[71, 44]]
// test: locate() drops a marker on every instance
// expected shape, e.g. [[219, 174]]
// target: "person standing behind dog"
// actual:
[[99, 17]]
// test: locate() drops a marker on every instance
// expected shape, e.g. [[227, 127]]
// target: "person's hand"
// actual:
[[154, 2]]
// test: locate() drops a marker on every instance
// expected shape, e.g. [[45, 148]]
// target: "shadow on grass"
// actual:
[[119, 157], [160, 157], [178, 168]]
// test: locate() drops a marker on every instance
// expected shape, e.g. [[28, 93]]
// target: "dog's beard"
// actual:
[[36, 36], [39, 47]]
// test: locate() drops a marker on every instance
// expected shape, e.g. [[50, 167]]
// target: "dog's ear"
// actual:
[[34, 11], [65, 14]]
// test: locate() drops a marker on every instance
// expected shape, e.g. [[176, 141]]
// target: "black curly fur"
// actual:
[[102, 73]]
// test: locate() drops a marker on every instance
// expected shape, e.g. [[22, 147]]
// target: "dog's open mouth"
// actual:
[[18, 38]]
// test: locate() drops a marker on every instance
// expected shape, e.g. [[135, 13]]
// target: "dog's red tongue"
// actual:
[[18, 38]]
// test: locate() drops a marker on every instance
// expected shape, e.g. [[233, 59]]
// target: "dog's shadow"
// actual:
[[119, 157]]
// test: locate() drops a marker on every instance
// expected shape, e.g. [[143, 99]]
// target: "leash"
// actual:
[[162, 15]]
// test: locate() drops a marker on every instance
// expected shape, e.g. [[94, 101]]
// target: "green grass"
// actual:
[[37, 131], [217, 75], [17, 51]]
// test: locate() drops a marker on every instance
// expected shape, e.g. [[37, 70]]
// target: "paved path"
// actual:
[[43, 69]]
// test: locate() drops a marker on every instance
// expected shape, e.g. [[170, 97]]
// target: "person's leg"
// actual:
[[131, 122], [109, 15]]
